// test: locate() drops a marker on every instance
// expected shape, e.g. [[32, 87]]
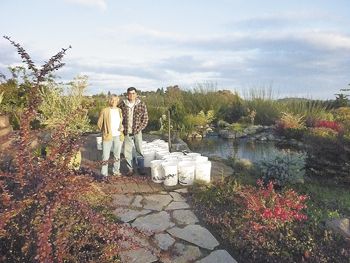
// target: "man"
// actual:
[[135, 119]]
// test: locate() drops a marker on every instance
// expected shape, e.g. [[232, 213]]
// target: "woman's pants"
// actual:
[[114, 145]]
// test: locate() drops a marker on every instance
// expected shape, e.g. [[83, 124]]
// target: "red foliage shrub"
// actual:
[[336, 126], [268, 210], [42, 218]]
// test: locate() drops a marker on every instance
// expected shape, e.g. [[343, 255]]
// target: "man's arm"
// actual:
[[144, 117]]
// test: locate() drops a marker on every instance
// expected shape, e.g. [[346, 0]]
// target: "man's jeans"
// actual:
[[115, 144], [129, 142]]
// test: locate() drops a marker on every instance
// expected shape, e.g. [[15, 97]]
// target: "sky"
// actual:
[[298, 48]]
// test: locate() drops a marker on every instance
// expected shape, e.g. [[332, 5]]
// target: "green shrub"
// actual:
[[342, 115], [241, 165], [267, 111], [232, 107], [262, 101], [323, 132], [1, 96], [98, 103], [155, 114], [236, 128], [56, 107], [328, 154], [15, 95], [283, 168], [296, 134], [222, 124]]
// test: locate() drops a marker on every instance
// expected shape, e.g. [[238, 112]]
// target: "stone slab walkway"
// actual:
[[172, 227], [163, 213]]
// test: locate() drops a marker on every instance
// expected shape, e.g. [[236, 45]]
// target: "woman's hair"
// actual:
[[110, 99]]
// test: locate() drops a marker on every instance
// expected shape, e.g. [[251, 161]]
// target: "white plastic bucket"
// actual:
[[185, 158], [148, 157], [160, 154], [186, 170], [164, 147], [201, 159], [99, 142], [157, 171], [161, 144], [147, 148], [157, 141], [193, 155], [169, 156], [176, 154], [170, 173], [203, 170]]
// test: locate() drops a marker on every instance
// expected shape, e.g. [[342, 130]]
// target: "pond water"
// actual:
[[215, 146]]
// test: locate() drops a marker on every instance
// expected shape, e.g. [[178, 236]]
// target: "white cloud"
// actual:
[[116, 81], [296, 57], [101, 4], [304, 19], [328, 40], [239, 39]]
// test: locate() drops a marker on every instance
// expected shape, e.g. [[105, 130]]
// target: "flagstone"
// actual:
[[122, 199], [182, 190], [140, 255], [137, 201], [177, 197], [127, 214], [164, 240], [156, 223], [177, 205], [184, 217], [156, 202], [218, 256], [182, 253], [195, 234]]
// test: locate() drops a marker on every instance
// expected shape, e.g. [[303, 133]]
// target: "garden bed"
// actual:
[[287, 234]]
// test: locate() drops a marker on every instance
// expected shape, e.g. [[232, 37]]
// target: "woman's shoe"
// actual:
[[130, 172], [105, 179]]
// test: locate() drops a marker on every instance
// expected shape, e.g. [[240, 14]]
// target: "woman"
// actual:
[[110, 123]]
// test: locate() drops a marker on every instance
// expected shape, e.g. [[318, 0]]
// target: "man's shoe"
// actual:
[[117, 174]]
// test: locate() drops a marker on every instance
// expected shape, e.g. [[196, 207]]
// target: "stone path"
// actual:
[[164, 215], [171, 226]]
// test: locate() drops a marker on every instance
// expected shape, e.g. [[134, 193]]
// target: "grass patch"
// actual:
[[328, 197]]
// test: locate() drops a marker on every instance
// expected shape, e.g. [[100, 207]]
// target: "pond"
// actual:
[[215, 146]]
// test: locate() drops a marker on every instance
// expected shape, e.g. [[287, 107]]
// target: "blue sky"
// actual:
[[296, 48]]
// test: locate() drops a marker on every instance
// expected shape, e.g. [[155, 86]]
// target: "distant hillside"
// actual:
[[303, 100]]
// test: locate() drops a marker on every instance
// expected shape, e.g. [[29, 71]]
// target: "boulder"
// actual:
[[340, 225]]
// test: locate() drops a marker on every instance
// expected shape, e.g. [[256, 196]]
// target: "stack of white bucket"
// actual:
[[176, 167]]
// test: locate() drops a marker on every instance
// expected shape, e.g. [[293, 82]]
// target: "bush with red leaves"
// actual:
[[42, 218]]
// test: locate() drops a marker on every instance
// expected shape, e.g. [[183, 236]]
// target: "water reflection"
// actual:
[[218, 147]]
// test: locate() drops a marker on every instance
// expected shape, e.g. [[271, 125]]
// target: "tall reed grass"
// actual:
[[312, 110], [268, 109]]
